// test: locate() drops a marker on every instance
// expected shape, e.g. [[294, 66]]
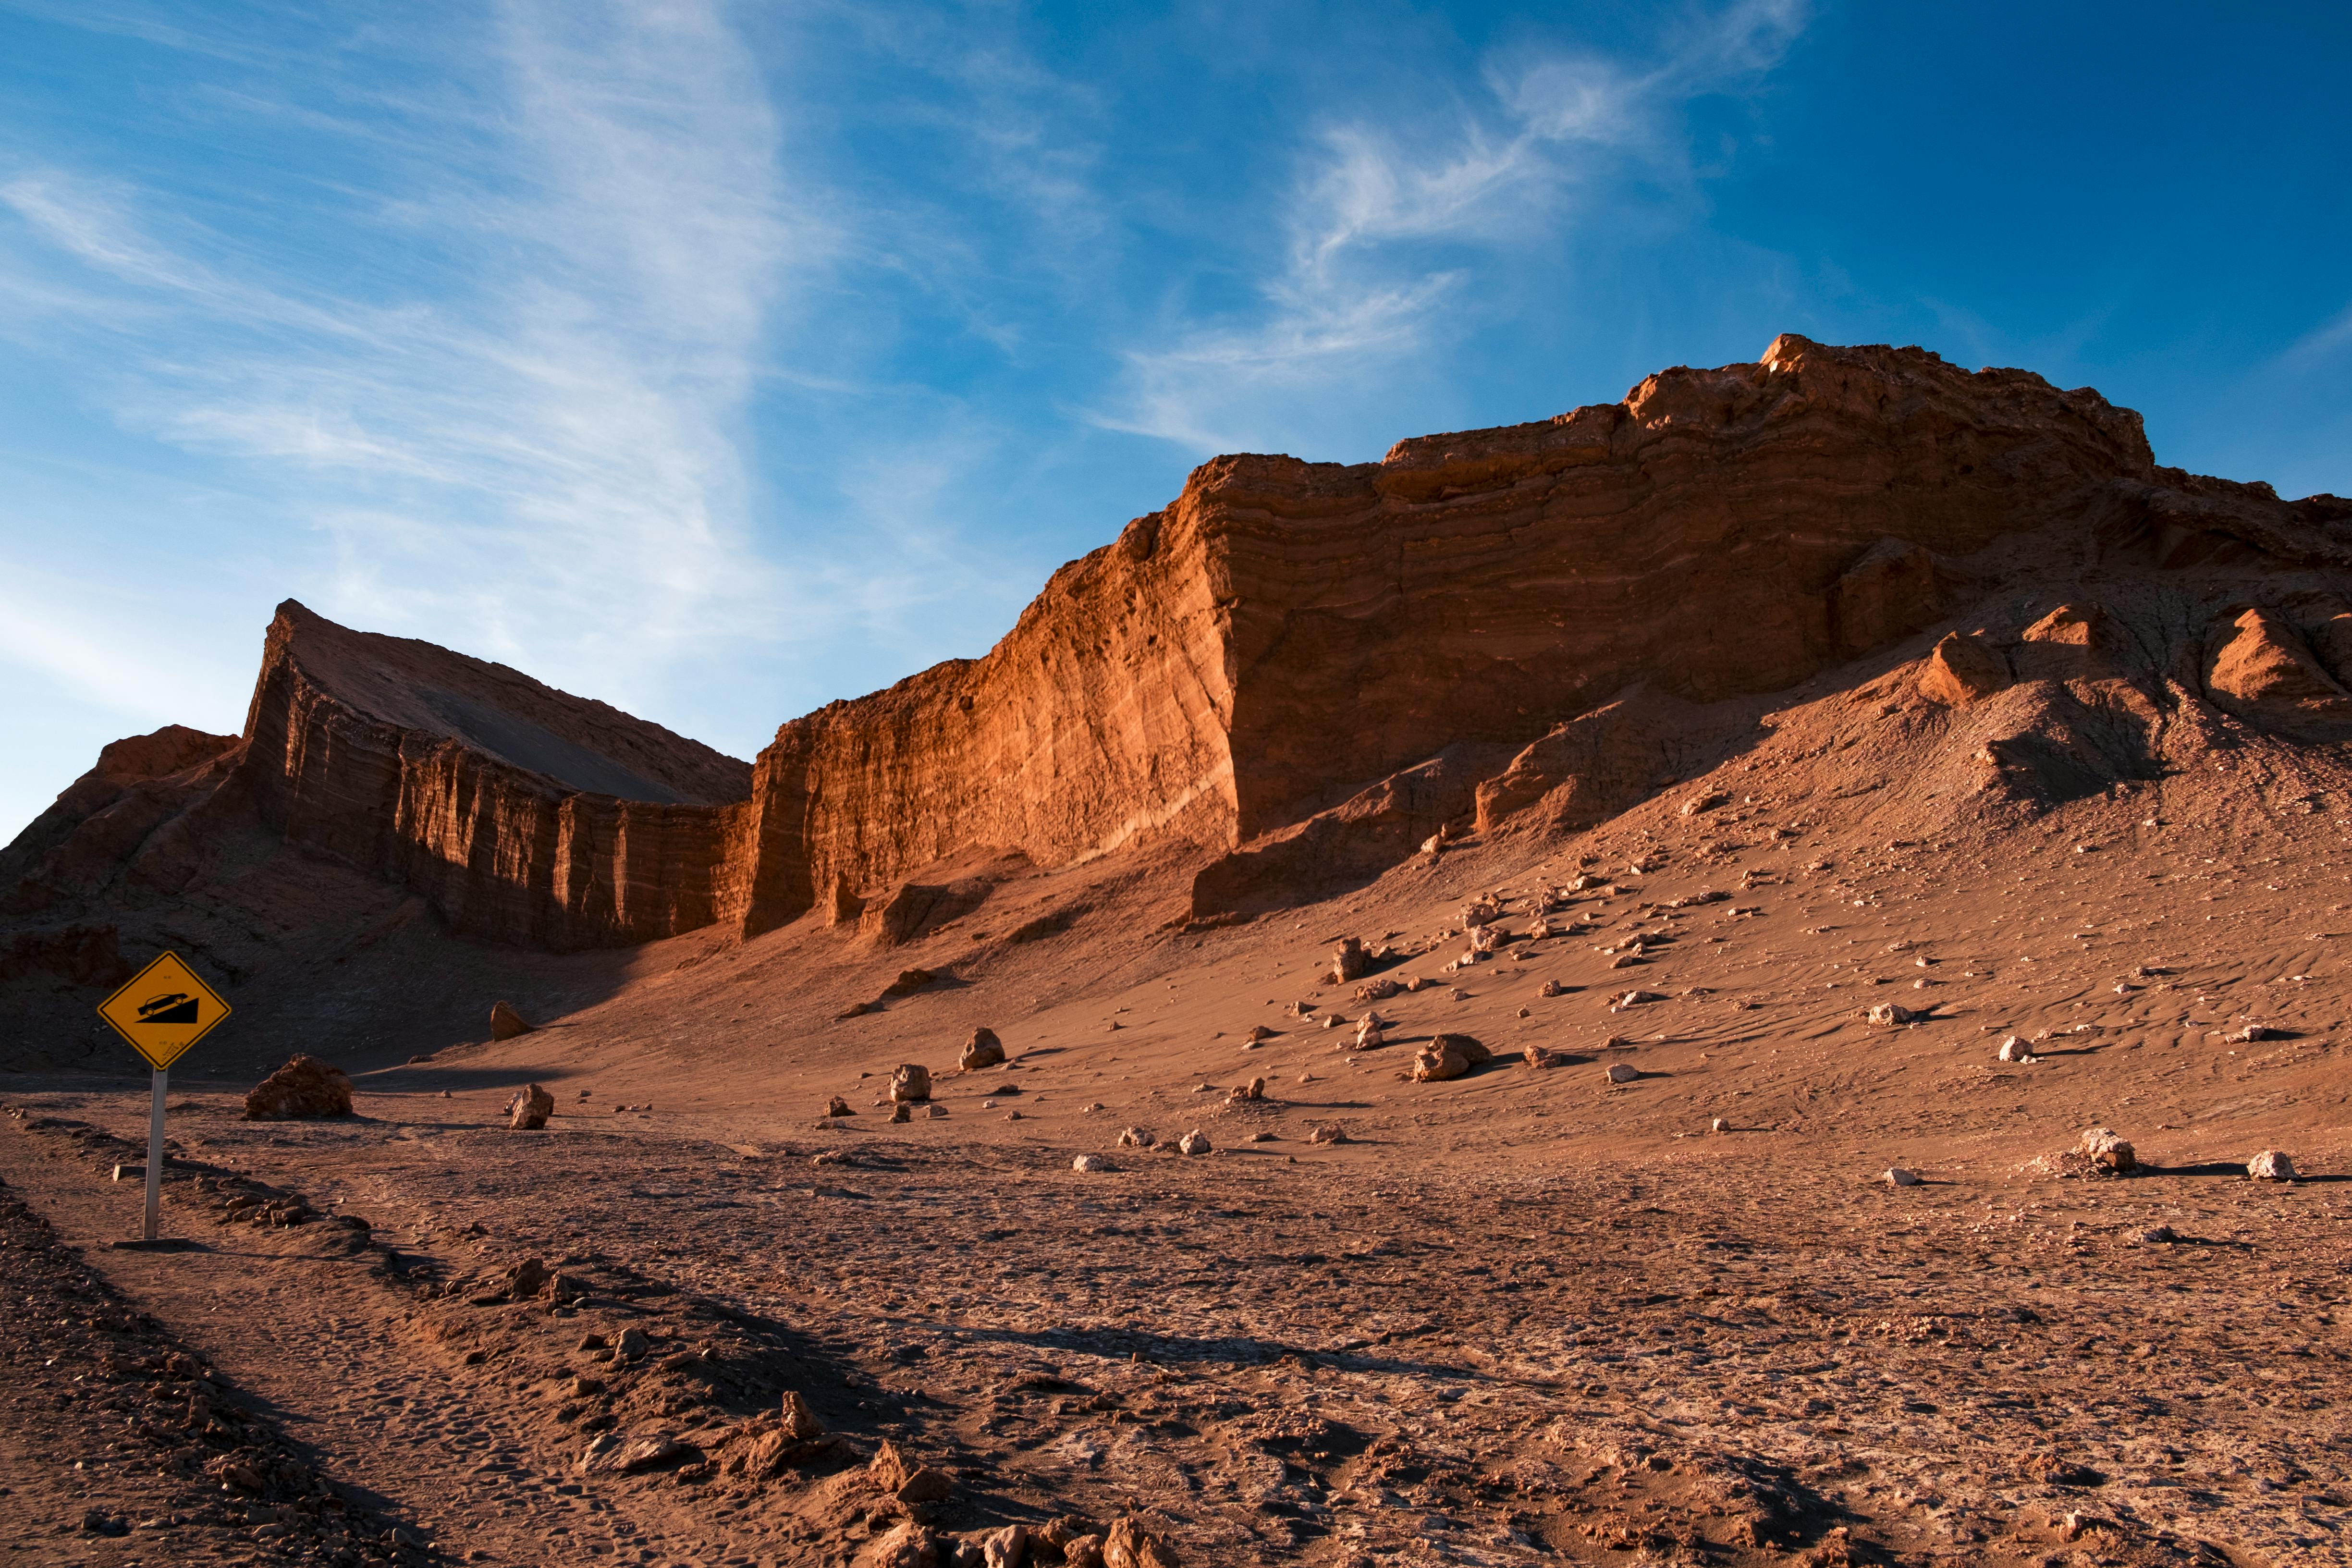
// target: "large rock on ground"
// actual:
[[305, 1089], [1963, 670], [982, 1050], [506, 1024], [911, 1084], [529, 1109]]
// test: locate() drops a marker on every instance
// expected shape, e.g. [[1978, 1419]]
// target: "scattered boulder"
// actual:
[[799, 1418], [506, 1023], [1544, 1056], [2016, 1049], [901, 1112], [1963, 670], [1091, 1165], [304, 1090], [1623, 1072], [855, 1010], [1378, 990], [1005, 1548], [893, 1473], [2271, 1166], [528, 1111], [1136, 1138], [982, 1050], [2104, 1149], [1194, 1142], [2254, 1033], [1718, 1125], [910, 1083], [909, 980], [1552, 988], [1259, 1033], [1706, 802], [1446, 1057], [1895, 1013], [1254, 1089], [1369, 1035], [1624, 999], [837, 1106], [906, 1545], [1896, 1176], [1327, 1132], [1129, 1545], [1349, 962]]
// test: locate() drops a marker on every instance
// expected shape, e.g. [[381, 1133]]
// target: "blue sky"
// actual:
[[719, 360]]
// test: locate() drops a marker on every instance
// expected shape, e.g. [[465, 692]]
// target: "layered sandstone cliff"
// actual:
[[1298, 671], [520, 812]]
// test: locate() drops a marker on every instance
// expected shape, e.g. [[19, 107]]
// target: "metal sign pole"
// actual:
[[155, 1157]]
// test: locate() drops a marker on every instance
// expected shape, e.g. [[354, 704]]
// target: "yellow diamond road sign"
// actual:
[[163, 1010]]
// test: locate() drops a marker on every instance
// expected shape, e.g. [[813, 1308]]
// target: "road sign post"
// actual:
[[163, 1010], [153, 1227]]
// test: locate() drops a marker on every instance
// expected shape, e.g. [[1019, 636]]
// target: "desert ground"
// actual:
[[1527, 1314]]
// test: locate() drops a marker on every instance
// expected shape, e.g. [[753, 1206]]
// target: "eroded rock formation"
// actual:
[[1300, 672]]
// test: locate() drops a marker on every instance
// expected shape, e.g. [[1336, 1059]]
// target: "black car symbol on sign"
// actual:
[[172, 1007]]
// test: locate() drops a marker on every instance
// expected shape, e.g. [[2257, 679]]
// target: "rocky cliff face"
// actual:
[[1299, 671]]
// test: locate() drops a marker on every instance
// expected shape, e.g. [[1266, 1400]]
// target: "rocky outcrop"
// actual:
[[2260, 669], [520, 811]]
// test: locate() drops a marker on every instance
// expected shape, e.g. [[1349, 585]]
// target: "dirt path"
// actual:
[[317, 1338]]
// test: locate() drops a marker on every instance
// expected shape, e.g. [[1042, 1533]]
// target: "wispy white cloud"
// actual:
[[1381, 215], [2330, 337], [548, 454]]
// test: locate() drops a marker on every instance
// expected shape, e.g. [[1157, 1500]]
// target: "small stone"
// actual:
[[1543, 1057], [1091, 1164], [529, 1109], [1261, 1136], [1349, 962], [1623, 1072], [1136, 1138], [1552, 988], [935, 1112], [1259, 1033], [1193, 1143], [2015, 1048], [838, 1107], [2271, 1165], [2252, 1033], [2157, 1235], [1896, 1176], [1327, 1132], [632, 1345], [1895, 1013], [901, 1113], [506, 1023], [1624, 999], [1718, 1125]]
